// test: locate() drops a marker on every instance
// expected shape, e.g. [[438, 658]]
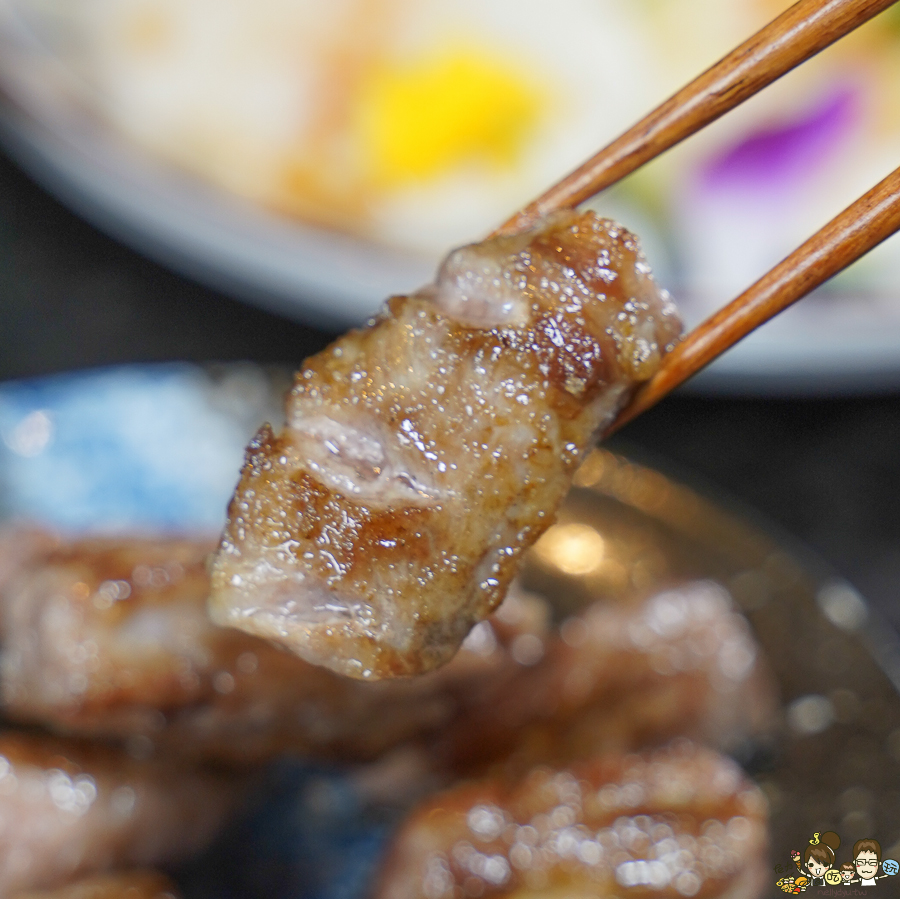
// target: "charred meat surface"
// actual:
[[678, 821], [423, 455]]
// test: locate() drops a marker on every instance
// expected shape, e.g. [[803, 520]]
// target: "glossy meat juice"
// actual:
[[424, 455]]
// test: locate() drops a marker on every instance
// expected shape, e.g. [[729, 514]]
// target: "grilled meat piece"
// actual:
[[69, 808], [678, 821], [110, 637], [422, 456]]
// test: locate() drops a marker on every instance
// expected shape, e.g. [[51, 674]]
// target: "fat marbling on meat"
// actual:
[[424, 454]]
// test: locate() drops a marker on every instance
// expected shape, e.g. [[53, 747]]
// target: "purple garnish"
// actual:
[[780, 156]]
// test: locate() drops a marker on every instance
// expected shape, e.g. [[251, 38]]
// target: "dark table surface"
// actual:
[[826, 471]]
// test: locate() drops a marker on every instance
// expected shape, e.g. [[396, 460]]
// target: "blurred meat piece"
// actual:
[[616, 678], [423, 455], [110, 637], [97, 624], [20, 545], [68, 809], [121, 885], [678, 821]]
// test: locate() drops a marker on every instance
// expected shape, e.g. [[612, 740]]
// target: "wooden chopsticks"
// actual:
[[860, 227], [797, 34]]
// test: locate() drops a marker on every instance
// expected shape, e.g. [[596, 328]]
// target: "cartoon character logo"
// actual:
[[867, 860], [819, 857], [817, 866]]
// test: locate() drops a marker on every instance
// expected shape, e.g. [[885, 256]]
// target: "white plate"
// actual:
[[334, 280], [324, 278]]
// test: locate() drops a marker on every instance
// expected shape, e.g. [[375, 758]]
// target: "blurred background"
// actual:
[[222, 180]]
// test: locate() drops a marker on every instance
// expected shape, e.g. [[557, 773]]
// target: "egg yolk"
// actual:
[[455, 107]]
